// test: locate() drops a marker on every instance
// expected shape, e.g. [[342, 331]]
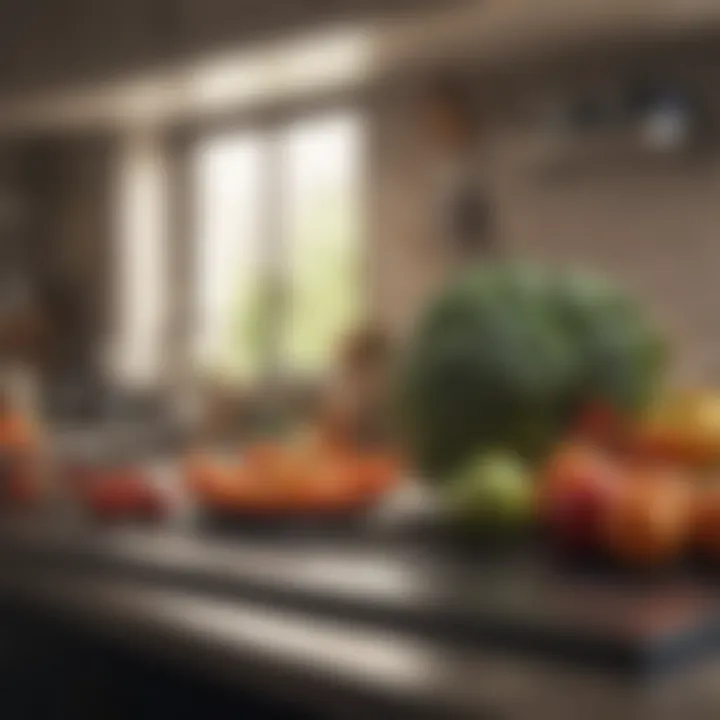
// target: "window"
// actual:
[[136, 348], [284, 205], [228, 252], [322, 176]]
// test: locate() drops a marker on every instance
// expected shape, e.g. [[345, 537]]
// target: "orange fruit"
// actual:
[[706, 520], [331, 488], [650, 523], [16, 433], [262, 458], [376, 473]]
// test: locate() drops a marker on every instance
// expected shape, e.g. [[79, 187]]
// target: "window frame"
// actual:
[[268, 125]]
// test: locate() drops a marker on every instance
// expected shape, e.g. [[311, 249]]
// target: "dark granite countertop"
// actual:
[[341, 663]]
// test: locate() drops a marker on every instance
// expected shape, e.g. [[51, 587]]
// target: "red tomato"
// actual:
[[119, 494]]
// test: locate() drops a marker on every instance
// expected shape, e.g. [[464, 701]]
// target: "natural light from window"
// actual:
[[323, 204], [285, 203], [228, 257]]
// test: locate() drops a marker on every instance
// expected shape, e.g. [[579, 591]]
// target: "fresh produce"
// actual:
[[565, 375], [119, 494], [493, 492], [507, 356], [682, 427], [376, 473], [219, 482], [705, 521], [21, 482], [577, 494], [651, 522], [305, 477], [17, 434]]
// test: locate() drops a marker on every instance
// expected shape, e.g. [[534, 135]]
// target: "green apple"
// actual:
[[493, 491]]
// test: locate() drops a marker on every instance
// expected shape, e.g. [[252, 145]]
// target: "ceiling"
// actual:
[[48, 44], [169, 59]]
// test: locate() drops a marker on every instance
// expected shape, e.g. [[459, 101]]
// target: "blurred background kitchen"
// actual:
[[195, 192], [218, 217]]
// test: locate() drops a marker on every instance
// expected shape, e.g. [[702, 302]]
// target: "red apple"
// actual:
[[580, 487]]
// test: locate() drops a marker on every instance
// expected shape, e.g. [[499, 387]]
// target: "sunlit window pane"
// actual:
[[322, 201], [285, 205], [228, 174]]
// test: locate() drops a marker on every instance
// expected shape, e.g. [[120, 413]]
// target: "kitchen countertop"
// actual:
[[334, 663]]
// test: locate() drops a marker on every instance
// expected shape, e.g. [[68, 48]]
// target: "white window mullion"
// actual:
[[136, 352]]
